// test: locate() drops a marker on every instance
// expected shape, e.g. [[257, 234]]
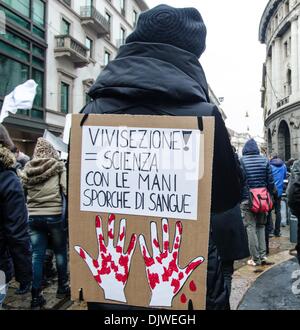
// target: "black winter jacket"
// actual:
[[15, 247], [159, 79], [257, 169]]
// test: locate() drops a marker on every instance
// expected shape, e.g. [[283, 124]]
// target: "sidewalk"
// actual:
[[245, 277]]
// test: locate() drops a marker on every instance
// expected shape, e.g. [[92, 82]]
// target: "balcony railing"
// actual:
[[67, 46], [91, 16], [282, 102]]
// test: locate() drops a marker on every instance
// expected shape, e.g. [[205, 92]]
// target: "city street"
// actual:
[[149, 155], [274, 288]]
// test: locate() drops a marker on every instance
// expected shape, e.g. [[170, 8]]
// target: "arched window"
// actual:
[[284, 141], [270, 146]]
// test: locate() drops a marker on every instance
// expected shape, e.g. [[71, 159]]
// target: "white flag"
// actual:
[[57, 142], [21, 97], [67, 131]]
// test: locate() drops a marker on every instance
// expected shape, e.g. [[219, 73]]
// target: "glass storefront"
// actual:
[[27, 14], [21, 57]]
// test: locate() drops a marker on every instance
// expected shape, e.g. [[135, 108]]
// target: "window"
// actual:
[[65, 27], [18, 64], [286, 51], [107, 56], [22, 6], [287, 7], [89, 44], [135, 18], [34, 10], [38, 12], [38, 77], [67, 2], [64, 97], [17, 53], [122, 5], [13, 73], [18, 41], [122, 36], [108, 18]]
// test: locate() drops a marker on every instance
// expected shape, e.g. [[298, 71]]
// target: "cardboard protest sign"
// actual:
[[139, 209]]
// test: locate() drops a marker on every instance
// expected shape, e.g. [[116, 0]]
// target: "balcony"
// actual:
[[91, 17], [282, 102], [67, 46]]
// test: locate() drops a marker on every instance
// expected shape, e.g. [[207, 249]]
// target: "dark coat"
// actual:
[[159, 79], [279, 171], [229, 234], [15, 247], [293, 189], [257, 169]]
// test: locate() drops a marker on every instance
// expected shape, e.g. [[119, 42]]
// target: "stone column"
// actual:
[[294, 55], [270, 94], [276, 73]]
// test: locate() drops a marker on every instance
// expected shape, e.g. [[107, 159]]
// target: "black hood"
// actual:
[[152, 72], [250, 148]]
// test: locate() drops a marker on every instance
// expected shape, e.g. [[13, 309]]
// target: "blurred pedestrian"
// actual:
[[44, 178], [289, 164], [293, 195], [258, 175], [15, 247], [229, 234], [21, 159], [279, 171]]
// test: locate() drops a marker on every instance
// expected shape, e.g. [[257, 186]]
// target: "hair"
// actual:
[[5, 139], [274, 155]]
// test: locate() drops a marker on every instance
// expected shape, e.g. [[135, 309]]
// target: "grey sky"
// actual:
[[233, 58]]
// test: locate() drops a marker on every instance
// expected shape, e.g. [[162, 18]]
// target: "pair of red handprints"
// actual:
[[111, 268]]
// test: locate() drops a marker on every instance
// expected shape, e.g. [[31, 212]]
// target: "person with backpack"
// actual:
[[293, 195], [157, 72], [229, 234], [256, 200], [15, 246], [44, 179], [279, 171]]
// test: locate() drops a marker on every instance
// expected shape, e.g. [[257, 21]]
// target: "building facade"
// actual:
[[63, 45], [280, 31], [216, 101]]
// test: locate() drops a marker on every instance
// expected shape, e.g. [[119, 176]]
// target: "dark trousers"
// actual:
[[278, 216], [298, 239], [228, 270], [42, 228], [268, 230]]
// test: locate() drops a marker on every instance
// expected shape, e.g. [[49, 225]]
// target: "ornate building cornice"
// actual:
[[270, 9]]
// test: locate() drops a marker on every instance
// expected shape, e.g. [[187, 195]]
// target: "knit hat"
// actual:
[[181, 27], [44, 149]]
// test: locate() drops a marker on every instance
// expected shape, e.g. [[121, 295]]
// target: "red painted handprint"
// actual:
[[111, 268], [165, 277]]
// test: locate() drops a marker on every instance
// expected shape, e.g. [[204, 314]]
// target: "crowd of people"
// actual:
[[157, 72]]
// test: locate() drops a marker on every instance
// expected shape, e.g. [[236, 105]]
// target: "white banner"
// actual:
[[141, 171]]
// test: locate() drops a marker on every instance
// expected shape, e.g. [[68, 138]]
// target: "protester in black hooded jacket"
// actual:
[[157, 72], [15, 247]]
